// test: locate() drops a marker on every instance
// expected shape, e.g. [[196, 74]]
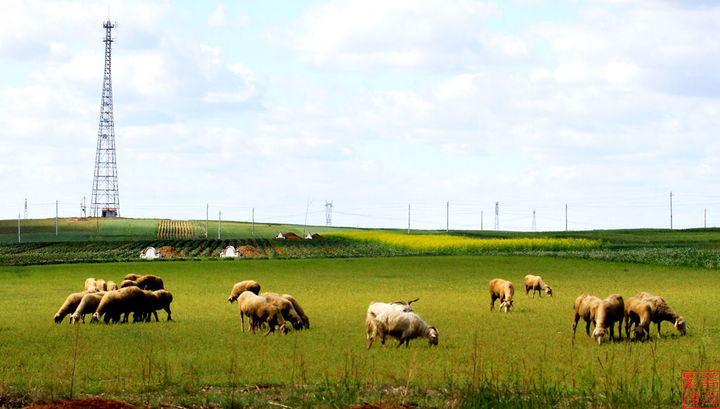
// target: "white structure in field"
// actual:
[[229, 252], [150, 253], [280, 236]]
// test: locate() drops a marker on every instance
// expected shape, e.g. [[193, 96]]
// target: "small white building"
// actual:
[[228, 252], [309, 236], [280, 236], [149, 253]]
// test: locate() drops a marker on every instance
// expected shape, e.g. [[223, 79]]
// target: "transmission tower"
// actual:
[[497, 215], [328, 213], [83, 208], [105, 198], [25, 208]]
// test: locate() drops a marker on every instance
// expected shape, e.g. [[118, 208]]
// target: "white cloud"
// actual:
[[218, 18]]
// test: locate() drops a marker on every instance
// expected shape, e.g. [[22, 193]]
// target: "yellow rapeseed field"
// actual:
[[440, 242]]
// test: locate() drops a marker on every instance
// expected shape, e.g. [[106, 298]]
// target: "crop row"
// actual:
[[176, 229]]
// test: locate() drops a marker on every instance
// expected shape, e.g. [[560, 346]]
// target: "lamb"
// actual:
[[298, 309], [258, 311], [150, 282], [111, 286], [70, 304], [585, 307], [286, 309], [239, 288], [536, 283], [377, 308], [128, 283], [607, 313], [88, 304], [116, 303], [503, 290], [403, 326], [646, 308]]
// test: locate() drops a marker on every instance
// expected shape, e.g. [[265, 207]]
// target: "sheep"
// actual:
[[88, 304], [258, 311], [150, 282], [111, 286], [377, 308], [536, 283], [298, 309], [101, 284], [239, 288], [90, 284], [128, 283], [70, 304], [646, 308], [503, 290], [585, 308], [132, 277], [116, 303], [153, 301], [286, 308], [164, 298], [403, 326], [607, 313]]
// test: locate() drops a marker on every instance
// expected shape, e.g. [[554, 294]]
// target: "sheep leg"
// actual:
[[577, 318], [370, 342], [587, 327], [659, 335], [492, 302], [167, 309], [527, 290], [242, 322], [156, 317]]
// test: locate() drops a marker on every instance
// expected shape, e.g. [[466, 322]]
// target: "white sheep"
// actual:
[[607, 313], [259, 310], [403, 326], [242, 286], [377, 308], [88, 305], [502, 290], [536, 283]]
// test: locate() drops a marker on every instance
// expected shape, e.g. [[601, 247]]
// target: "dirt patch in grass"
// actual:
[[169, 252], [86, 403], [249, 251]]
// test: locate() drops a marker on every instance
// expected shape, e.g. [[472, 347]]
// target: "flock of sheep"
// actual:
[[639, 310], [140, 295], [269, 308]]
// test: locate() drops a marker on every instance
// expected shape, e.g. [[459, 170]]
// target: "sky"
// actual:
[[436, 109]]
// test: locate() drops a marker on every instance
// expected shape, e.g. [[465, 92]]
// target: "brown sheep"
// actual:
[[111, 286], [607, 313], [585, 307], [132, 277], [90, 284], [298, 309], [259, 311], [128, 283], [536, 283], [239, 288], [286, 309], [70, 304], [502, 290], [100, 284], [153, 301], [116, 303], [646, 308], [150, 282]]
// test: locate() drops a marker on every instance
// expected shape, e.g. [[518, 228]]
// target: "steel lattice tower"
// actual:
[[105, 197]]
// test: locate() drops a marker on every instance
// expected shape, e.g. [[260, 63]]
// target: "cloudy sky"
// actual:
[[604, 105]]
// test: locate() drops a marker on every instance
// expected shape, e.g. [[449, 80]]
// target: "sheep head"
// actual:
[[95, 317], [432, 336], [506, 305], [599, 335], [548, 291], [640, 333], [681, 326], [231, 299]]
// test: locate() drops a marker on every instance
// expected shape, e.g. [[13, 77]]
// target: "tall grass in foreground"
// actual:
[[441, 243]]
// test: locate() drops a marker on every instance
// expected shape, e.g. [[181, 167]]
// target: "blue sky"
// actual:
[[604, 105]]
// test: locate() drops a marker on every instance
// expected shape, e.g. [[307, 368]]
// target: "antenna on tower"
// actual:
[[105, 200], [25, 208], [497, 215], [328, 213]]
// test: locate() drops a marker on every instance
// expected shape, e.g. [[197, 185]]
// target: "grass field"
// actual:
[[521, 359]]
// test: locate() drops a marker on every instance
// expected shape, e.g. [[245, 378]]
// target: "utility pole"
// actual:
[[671, 226], [566, 217], [219, 223], [534, 226], [253, 221], [481, 220], [56, 218], [207, 218], [307, 210], [497, 215], [26, 208], [408, 218], [447, 218], [328, 213]]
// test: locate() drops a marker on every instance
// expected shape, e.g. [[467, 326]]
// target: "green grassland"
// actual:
[[484, 359]]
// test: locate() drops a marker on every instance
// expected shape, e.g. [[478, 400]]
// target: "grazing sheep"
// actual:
[[88, 305], [116, 303], [607, 313], [646, 308], [286, 309], [403, 326], [377, 308], [258, 311], [585, 307], [298, 309], [101, 284], [128, 283], [153, 301], [239, 288], [164, 298], [70, 304], [150, 282], [132, 277], [111, 286], [90, 284], [536, 283], [502, 290]]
